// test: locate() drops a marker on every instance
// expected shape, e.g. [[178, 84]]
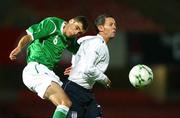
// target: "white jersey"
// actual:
[[90, 62]]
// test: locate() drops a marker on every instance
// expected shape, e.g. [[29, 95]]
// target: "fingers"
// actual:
[[14, 53], [108, 86], [12, 56], [108, 83], [67, 71]]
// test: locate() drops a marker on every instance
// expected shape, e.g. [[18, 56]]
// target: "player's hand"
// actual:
[[108, 83], [14, 53], [68, 70]]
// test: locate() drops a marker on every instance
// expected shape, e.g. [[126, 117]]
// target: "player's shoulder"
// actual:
[[89, 38], [54, 19]]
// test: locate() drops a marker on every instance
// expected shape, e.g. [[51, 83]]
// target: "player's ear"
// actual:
[[100, 28], [71, 21]]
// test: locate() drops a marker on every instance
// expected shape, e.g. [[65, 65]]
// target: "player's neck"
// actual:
[[105, 37]]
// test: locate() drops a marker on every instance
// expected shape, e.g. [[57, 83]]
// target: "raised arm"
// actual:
[[21, 44]]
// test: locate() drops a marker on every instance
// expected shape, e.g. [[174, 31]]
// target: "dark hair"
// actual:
[[100, 20], [83, 20]]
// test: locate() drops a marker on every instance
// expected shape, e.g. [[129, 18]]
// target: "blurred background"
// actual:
[[149, 33]]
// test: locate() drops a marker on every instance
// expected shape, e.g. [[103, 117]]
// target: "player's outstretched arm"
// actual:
[[21, 44]]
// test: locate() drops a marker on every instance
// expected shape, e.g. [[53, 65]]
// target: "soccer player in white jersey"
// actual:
[[88, 67], [46, 41]]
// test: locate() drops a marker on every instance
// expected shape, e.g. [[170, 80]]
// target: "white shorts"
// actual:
[[38, 78]]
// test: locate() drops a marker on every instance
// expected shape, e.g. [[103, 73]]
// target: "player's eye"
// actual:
[[77, 28]]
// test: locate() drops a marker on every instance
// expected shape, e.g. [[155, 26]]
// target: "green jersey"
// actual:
[[49, 42]]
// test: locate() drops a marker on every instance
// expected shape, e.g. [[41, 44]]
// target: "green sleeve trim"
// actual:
[[55, 28]]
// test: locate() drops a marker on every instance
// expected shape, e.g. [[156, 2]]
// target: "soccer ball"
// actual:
[[140, 76]]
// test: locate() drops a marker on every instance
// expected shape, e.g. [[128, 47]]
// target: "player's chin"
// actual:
[[69, 34], [113, 35]]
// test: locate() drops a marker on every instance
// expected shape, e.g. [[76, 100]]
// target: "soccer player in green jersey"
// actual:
[[46, 41]]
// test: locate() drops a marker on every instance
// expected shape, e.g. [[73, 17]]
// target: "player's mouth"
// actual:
[[71, 34], [114, 32]]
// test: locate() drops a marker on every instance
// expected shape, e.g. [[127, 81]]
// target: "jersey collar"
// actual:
[[62, 26], [100, 37], [80, 40]]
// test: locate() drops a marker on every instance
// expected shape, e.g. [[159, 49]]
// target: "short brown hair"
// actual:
[[83, 20], [100, 20]]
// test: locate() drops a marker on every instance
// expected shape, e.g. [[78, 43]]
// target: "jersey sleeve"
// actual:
[[45, 28]]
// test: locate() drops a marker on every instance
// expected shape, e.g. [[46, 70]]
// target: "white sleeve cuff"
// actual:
[[29, 33]]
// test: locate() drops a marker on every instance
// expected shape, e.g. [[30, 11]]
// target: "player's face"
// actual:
[[74, 29], [109, 27]]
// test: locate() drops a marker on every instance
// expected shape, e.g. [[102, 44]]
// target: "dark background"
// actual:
[[149, 33]]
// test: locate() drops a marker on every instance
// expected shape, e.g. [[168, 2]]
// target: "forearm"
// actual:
[[21, 44], [24, 41], [98, 76], [94, 72]]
